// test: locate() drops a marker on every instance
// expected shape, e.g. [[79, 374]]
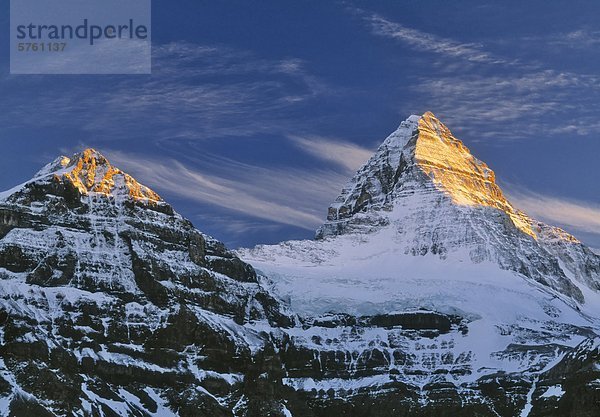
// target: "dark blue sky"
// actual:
[[257, 112]]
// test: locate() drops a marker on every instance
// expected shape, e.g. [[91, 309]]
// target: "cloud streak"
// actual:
[[346, 155], [512, 107], [292, 196], [195, 92], [424, 41], [576, 39], [494, 96], [577, 215]]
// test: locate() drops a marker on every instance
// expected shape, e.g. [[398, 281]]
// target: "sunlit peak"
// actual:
[[468, 181]]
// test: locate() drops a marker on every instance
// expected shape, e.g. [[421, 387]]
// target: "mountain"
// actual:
[[428, 293], [112, 304]]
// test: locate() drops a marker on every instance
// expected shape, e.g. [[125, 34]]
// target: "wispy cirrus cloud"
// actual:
[[576, 215], [195, 92], [512, 107], [424, 41], [293, 196], [495, 96], [347, 155], [576, 39], [581, 38]]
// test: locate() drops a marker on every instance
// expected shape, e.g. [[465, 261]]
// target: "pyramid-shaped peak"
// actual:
[[423, 155], [431, 148]]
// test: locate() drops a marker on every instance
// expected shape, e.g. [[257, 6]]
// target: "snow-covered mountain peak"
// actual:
[[423, 155], [424, 195], [108, 281], [91, 173]]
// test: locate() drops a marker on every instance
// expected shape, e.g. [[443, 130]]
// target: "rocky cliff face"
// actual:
[[427, 293]]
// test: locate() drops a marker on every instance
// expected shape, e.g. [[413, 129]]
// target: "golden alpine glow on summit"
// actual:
[[454, 170]]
